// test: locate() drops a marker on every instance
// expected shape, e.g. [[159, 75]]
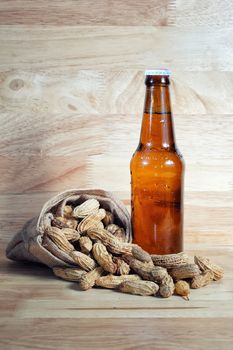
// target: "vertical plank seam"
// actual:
[[171, 21]]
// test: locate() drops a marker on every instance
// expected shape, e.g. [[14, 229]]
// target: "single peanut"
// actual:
[[56, 235], [184, 271], [90, 206], [140, 254], [170, 260], [69, 274], [92, 221], [139, 287], [103, 257], [112, 281], [158, 273], [202, 280], [88, 280], [85, 244], [84, 261], [205, 264], [71, 234], [182, 289], [167, 287]]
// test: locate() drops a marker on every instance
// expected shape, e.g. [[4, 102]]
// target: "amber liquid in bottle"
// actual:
[[157, 171]]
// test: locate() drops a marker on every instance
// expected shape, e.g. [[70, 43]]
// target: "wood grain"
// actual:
[[88, 12], [117, 334], [208, 215], [104, 12], [95, 47], [96, 151], [203, 13], [71, 99], [69, 90], [63, 299], [38, 305]]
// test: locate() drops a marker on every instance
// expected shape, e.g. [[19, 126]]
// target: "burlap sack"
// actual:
[[26, 245]]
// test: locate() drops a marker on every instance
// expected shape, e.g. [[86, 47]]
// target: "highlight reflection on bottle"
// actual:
[[157, 173]]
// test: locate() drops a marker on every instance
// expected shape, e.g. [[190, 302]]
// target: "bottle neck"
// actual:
[[157, 125]]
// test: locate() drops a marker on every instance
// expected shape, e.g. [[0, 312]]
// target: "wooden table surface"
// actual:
[[40, 311]]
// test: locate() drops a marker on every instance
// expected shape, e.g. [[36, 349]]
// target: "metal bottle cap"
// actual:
[[159, 71]]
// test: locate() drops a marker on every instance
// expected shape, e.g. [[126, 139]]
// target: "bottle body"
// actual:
[[157, 176], [157, 201]]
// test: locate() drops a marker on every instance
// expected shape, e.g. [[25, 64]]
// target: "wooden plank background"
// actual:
[[71, 100]]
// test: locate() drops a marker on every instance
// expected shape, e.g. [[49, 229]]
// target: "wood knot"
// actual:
[[73, 108], [16, 84]]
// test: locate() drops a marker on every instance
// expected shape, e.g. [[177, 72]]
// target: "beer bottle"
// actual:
[[157, 171]]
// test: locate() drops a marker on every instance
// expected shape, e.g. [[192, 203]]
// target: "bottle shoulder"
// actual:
[[157, 158]]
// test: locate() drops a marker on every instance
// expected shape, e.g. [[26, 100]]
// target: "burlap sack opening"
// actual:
[[26, 245]]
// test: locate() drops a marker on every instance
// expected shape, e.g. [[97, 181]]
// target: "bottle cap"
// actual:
[[159, 71]]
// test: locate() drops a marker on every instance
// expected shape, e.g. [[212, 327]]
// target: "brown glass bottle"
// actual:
[[157, 171]]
